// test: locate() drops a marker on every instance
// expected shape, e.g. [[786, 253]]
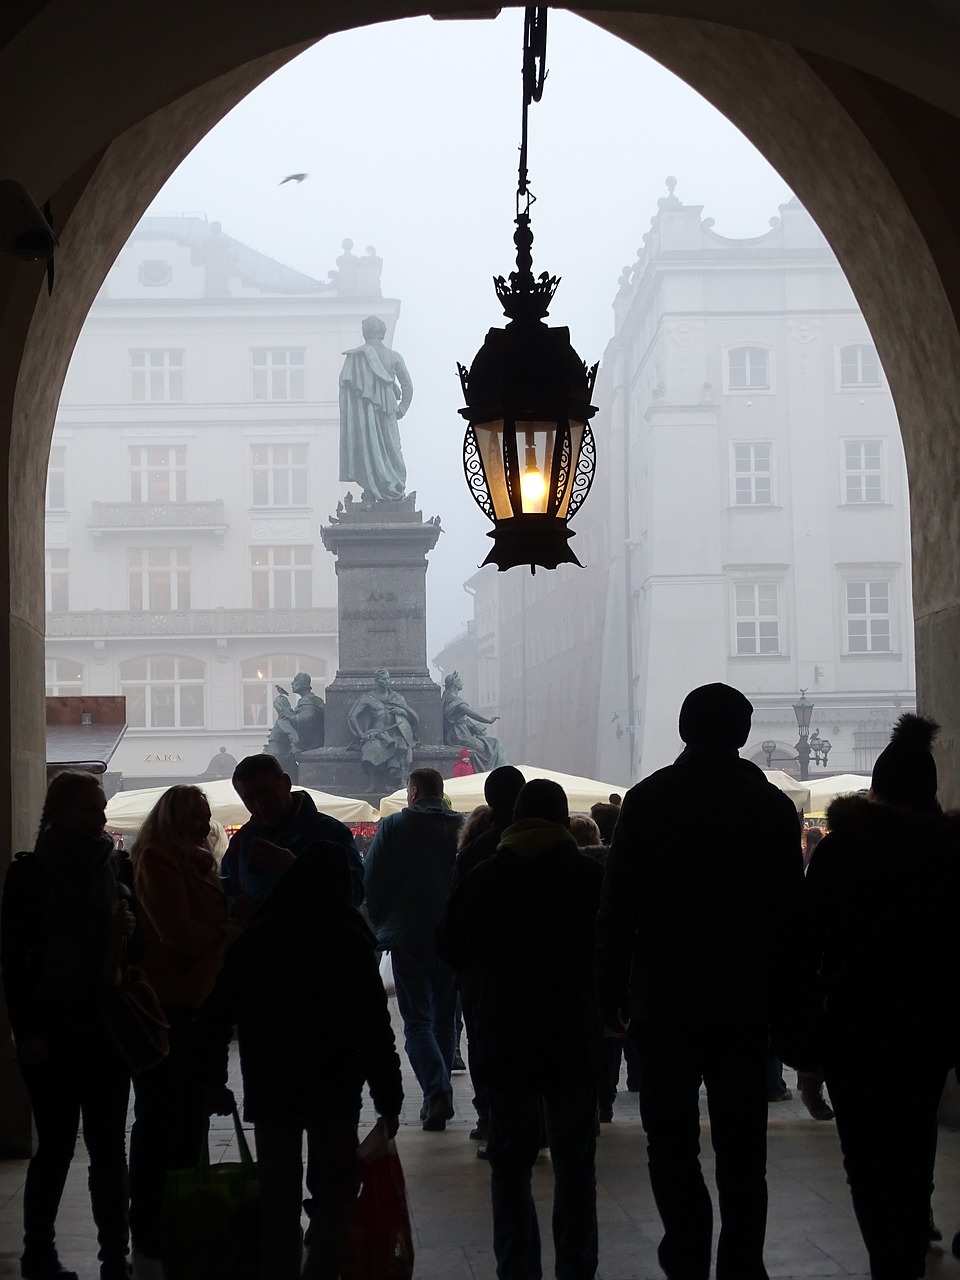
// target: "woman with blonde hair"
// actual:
[[186, 930], [65, 925]]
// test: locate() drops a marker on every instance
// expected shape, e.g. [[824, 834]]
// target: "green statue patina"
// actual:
[[375, 392], [386, 726]]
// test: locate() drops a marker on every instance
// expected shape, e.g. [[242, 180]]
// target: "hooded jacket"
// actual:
[[522, 922], [303, 987], [701, 896], [880, 897], [407, 871]]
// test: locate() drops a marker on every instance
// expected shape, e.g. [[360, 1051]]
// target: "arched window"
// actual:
[[163, 692], [260, 675], [748, 369], [64, 677], [859, 365]]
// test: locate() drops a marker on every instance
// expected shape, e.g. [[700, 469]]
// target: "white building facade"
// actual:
[[762, 517], [194, 459]]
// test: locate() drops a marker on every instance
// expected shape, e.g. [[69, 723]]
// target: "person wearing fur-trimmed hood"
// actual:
[[890, 972]]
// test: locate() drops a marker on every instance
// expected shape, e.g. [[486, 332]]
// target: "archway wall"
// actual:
[[107, 110]]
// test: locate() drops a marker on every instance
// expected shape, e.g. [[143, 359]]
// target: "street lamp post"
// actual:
[[803, 711], [768, 747]]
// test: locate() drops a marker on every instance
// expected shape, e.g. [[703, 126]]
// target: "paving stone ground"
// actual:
[[811, 1229]]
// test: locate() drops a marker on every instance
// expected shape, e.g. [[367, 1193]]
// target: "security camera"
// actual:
[[24, 231]]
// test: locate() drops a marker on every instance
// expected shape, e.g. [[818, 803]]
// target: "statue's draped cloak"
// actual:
[[461, 730], [370, 453]]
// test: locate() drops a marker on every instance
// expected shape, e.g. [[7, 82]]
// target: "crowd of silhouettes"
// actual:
[[705, 952]]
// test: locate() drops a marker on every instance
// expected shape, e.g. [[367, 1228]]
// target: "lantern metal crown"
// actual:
[[529, 454]]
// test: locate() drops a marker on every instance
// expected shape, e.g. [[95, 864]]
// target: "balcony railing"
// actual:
[[193, 517], [107, 623]]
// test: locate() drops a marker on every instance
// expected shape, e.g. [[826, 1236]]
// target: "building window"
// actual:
[[748, 369], [859, 365], [868, 617], [156, 375], [159, 578], [281, 577], [154, 272], [279, 475], [163, 692], [158, 473], [57, 478], [64, 678], [758, 617], [752, 474], [278, 373], [863, 470], [259, 676], [57, 583]]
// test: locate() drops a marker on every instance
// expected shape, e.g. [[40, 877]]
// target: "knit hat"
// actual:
[[716, 715], [905, 774]]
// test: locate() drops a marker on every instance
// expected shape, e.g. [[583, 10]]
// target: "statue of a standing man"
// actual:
[[375, 392]]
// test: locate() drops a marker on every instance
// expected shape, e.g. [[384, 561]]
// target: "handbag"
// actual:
[[386, 975], [379, 1239], [210, 1218], [135, 1019]]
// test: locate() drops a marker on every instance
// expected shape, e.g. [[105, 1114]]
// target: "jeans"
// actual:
[[169, 1126], [332, 1183], [427, 1000], [889, 1167], [87, 1080], [732, 1062], [512, 1148]]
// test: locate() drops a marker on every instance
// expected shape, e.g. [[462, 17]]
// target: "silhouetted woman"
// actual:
[[65, 921], [876, 890], [183, 912]]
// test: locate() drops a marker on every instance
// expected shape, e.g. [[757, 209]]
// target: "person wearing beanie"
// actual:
[[697, 938], [889, 968]]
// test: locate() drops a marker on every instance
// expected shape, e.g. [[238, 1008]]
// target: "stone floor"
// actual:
[[811, 1229]]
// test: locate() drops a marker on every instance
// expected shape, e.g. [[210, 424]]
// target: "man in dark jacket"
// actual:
[[301, 984], [282, 822], [500, 790], [697, 936], [407, 876], [523, 924]]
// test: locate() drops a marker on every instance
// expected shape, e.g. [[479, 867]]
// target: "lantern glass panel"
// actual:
[[490, 441], [576, 443], [535, 444]]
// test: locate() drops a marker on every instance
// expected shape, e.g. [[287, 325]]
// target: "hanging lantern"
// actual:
[[528, 453]]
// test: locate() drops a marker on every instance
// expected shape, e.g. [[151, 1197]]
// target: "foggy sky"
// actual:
[[410, 132]]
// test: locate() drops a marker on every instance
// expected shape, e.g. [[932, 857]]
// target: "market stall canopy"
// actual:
[[825, 790], [466, 793], [127, 810], [799, 792]]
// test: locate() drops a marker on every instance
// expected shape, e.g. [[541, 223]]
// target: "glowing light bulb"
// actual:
[[533, 487]]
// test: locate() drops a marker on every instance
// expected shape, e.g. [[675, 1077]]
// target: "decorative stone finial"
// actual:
[[671, 184]]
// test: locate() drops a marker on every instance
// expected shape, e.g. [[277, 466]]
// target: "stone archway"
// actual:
[[108, 100]]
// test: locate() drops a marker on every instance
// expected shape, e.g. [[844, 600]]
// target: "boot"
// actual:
[[811, 1094], [438, 1113], [44, 1266]]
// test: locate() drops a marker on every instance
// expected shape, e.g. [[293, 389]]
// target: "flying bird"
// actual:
[[293, 177]]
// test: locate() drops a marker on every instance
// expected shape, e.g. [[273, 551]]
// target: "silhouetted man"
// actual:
[[522, 923], [696, 935], [406, 875]]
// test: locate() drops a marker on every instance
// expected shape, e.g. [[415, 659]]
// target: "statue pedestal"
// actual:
[[381, 552]]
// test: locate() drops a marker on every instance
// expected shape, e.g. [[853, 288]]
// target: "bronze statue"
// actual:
[[308, 713], [386, 726], [463, 727], [375, 392], [284, 742]]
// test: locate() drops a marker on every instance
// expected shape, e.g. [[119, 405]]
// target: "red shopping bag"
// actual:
[[379, 1240]]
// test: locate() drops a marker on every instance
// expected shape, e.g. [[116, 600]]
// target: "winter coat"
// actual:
[[303, 825], [303, 988], [183, 911], [56, 944], [483, 846], [881, 895], [407, 873], [522, 923], [701, 897]]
